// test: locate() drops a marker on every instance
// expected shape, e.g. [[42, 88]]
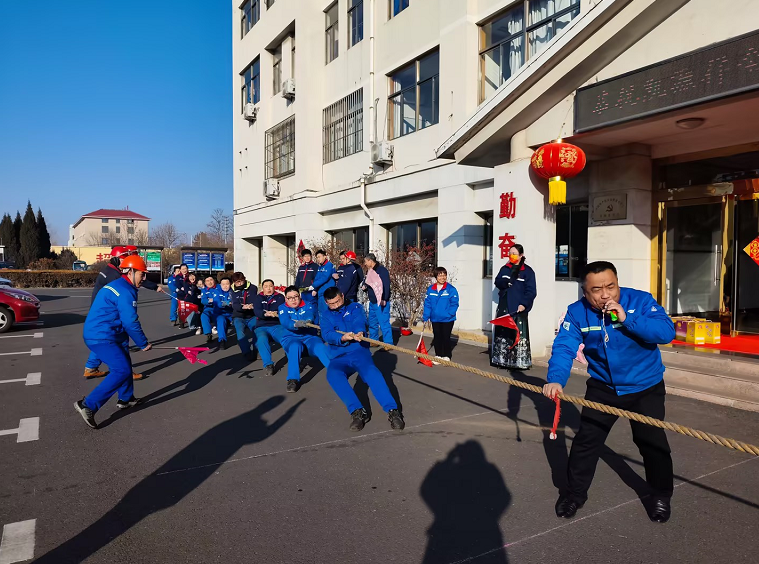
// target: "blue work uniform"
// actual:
[[379, 315], [352, 356], [521, 291], [172, 284], [111, 321], [351, 275], [440, 306], [267, 328], [294, 339], [217, 311], [322, 281], [305, 280], [244, 318]]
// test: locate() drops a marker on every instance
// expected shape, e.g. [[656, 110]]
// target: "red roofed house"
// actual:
[[108, 227]]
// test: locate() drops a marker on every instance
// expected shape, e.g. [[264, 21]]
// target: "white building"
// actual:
[[480, 85]]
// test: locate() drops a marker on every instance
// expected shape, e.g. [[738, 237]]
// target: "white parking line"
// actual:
[[28, 430], [17, 543], [33, 336], [32, 379], [33, 352]]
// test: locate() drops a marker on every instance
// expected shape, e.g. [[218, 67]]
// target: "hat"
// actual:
[[350, 255], [135, 262]]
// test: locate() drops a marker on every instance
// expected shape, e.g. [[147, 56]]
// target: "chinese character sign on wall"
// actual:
[[508, 206], [507, 241]]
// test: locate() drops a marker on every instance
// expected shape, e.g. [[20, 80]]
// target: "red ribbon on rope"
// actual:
[[556, 416]]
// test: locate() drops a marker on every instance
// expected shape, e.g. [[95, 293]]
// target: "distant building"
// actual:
[[108, 227]]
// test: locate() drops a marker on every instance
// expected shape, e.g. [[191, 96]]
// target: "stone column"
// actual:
[[248, 258], [275, 259]]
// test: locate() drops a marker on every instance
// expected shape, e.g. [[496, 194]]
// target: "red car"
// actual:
[[17, 306]]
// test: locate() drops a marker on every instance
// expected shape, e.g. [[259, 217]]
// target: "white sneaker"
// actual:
[[435, 363], [446, 358], [214, 331], [198, 331]]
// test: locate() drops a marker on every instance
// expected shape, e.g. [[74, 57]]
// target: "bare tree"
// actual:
[[141, 238], [111, 239], [166, 235], [220, 227]]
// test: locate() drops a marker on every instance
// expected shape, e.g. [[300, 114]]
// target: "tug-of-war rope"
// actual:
[[681, 429]]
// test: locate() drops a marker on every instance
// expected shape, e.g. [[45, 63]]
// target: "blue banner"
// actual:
[[204, 261], [189, 260], [217, 262]]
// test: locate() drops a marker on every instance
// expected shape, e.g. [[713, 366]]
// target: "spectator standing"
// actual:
[[305, 277], [377, 287], [348, 275], [440, 307], [322, 282]]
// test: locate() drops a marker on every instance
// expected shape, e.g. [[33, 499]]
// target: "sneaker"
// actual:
[[269, 370], [90, 373], [198, 331], [214, 330], [87, 414], [446, 358], [129, 403], [292, 386], [358, 419], [136, 376], [396, 420], [224, 345], [435, 363], [175, 322]]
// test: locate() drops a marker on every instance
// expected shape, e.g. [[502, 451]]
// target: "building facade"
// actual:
[[109, 227]]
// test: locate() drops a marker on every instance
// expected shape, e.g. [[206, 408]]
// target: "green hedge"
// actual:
[[50, 278]]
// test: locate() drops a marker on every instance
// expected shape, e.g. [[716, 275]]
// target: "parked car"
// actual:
[[17, 306], [4, 282], [79, 265]]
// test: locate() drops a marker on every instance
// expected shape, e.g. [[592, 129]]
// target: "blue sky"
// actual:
[[114, 104]]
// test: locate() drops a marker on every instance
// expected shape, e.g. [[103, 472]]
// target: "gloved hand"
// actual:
[[299, 324], [310, 288]]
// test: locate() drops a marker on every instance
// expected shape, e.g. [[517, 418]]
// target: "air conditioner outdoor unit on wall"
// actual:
[[382, 153], [250, 112], [271, 188], [288, 89]]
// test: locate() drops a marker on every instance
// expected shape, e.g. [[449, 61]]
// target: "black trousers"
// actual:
[[442, 337], [595, 426]]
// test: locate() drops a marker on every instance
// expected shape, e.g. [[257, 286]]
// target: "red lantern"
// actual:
[[556, 161]]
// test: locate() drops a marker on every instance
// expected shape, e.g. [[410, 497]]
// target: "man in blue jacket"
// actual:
[[171, 282], [343, 326], [268, 328], [348, 275], [243, 314], [294, 336], [110, 323], [621, 329], [379, 306], [306, 274], [322, 281], [219, 311]]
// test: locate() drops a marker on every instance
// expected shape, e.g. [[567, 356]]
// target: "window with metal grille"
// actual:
[[331, 33], [280, 149], [251, 84], [343, 127], [415, 94], [355, 21], [250, 13]]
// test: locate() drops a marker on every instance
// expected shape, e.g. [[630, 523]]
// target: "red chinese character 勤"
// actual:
[[507, 241], [508, 206]]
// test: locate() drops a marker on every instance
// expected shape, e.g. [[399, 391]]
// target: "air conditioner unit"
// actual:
[[382, 153], [250, 112], [271, 188], [288, 88]]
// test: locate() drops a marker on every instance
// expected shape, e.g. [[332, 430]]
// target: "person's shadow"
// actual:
[[173, 481], [468, 496]]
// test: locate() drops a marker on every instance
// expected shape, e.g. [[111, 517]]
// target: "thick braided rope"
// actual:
[[681, 429]]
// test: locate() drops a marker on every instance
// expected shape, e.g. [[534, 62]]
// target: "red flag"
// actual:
[[422, 348], [191, 354], [301, 246], [508, 322], [185, 309]]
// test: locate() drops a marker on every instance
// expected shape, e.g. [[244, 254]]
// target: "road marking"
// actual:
[[34, 336], [28, 430], [32, 379], [17, 543], [33, 352]]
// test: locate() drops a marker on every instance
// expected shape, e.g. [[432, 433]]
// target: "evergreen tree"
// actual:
[[8, 237], [29, 239], [17, 232], [43, 236]]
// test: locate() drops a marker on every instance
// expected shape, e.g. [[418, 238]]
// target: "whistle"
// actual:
[[613, 315]]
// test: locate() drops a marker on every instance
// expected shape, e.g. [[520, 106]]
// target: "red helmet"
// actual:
[[350, 255], [131, 249], [120, 251], [135, 262]]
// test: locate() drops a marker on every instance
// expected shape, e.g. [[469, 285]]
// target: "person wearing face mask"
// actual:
[[621, 329], [517, 292]]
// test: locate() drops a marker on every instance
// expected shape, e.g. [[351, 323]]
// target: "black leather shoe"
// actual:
[[659, 510], [566, 507]]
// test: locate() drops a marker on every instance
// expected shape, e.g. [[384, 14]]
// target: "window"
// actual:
[[104, 241], [130, 230], [503, 39], [356, 239], [331, 33], [104, 221], [397, 6], [414, 100], [413, 234], [250, 13], [118, 228], [104, 229], [280, 149], [130, 222], [251, 84], [343, 127], [276, 67], [487, 243], [571, 240], [118, 221], [355, 21]]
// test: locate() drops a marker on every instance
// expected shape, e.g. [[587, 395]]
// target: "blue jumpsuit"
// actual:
[[112, 320], [172, 284], [322, 281], [294, 339], [218, 311], [352, 356]]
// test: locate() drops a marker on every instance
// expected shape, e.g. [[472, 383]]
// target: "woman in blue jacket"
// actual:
[[440, 307], [517, 292]]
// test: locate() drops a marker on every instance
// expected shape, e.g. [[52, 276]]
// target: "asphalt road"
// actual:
[[221, 465]]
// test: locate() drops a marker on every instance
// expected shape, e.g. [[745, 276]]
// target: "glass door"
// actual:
[[693, 258], [746, 311]]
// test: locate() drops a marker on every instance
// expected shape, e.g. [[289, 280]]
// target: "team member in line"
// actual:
[[621, 329], [110, 323], [109, 273], [348, 276], [306, 274], [207, 295], [295, 336], [322, 282], [267, 322], [378, 280], [244, 296], [171, 282], [440, 307], [192, 296], [219, 312], [349, 354]]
